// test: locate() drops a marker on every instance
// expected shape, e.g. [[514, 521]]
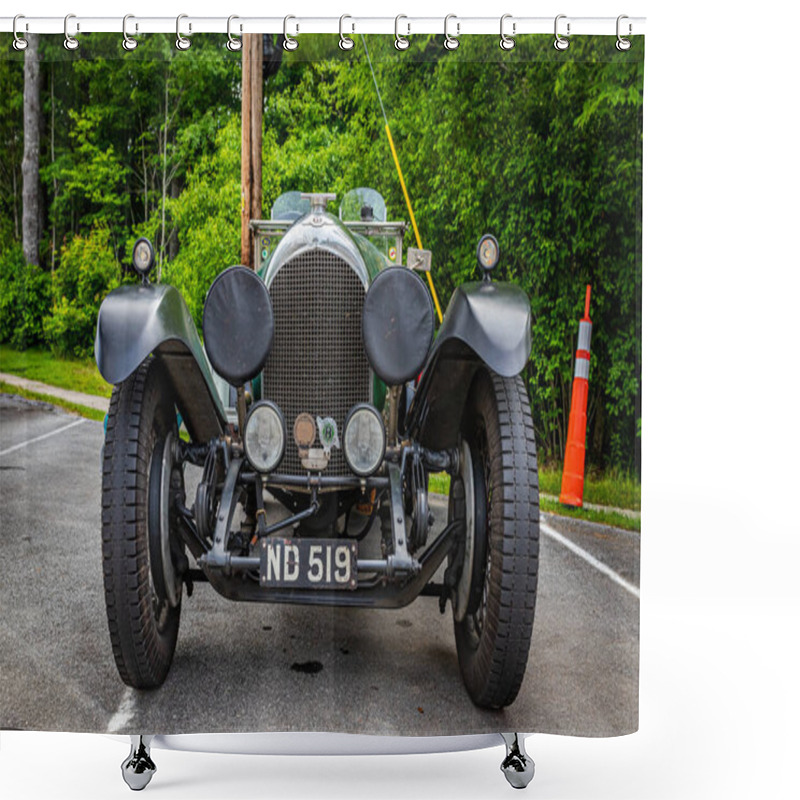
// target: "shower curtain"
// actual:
[[104, 149]]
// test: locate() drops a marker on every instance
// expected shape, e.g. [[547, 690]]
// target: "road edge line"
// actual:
[[124, 712], [43, 436], [590, 559]]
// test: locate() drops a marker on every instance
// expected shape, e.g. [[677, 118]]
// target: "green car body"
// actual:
[[320, 387]]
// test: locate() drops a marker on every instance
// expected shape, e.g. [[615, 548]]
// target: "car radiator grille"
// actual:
[[317, 362]]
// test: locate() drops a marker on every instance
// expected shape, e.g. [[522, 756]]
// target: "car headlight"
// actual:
[[488, 252], [364, 440], [264, 436], [143, 256]]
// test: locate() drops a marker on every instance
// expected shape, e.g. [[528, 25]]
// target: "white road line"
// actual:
[[625, 512], [123, 713], [43, 436], [589, 559]]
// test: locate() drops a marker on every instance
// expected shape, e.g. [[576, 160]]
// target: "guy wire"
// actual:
[[402, 181]]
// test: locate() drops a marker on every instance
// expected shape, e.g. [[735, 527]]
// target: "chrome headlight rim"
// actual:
[[488, 252], [355, 410], [143, 268], [272, 408]]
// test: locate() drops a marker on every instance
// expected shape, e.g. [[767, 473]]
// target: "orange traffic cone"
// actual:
[[575, 455]]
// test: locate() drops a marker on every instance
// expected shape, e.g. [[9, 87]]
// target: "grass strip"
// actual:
[[440, 484], [613, 518], [39, 364], [609, 488], [612, 488], [83, 411]]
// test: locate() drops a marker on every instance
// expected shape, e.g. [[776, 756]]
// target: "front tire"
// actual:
[[493, 617], [142, 592]]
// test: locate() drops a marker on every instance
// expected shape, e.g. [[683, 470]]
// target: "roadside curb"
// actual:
[[626, 512], [77, 398], [441, 500], [584, 526]]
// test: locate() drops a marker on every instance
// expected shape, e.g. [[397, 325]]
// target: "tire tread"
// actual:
[[142, 654], [494, 672]]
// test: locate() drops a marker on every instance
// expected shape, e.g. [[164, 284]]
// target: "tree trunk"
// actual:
[[16, 205], [175, 189], [52, 161], [144, 172], [30, 158], [164, 179]]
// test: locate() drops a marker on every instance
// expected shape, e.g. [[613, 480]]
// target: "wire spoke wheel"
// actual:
[[478, 615], [494, 601]]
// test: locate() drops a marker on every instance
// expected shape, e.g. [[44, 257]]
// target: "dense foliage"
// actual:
[[24, 299], [87, 273], [541, 148]]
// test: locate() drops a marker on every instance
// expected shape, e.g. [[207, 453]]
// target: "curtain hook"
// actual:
[[20, 42], [345, 42], [128, 43], [623, 44], [561, 42], [182, 43], [70, 42], [289, 43], [234, 43], [507, 42], [451, 42], [400, 42]]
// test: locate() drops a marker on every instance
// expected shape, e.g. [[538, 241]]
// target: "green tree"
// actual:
[[541, 148], [88, 272]]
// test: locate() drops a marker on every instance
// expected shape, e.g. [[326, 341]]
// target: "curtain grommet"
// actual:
[[345, 42], [289, 42], [182, 42], [128, 42], [400, 42], [507, 42], [560, 43], [451, 42], [19, 42], [70, 42], [622, 43], [234, 43]]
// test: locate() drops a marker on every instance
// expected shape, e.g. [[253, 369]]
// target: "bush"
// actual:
[[70, 329], [207, 216], [24, 300], [11, 264], [88, 272]]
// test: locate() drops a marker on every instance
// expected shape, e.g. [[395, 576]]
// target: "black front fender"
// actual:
[[135, 321], [486, 324]]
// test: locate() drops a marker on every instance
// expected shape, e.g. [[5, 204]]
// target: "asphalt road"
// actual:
[[383, 671]]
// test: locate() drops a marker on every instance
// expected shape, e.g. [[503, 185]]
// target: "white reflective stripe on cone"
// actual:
[[582, 368], [584, 336]]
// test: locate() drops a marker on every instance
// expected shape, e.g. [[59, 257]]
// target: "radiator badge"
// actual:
[[328, 434]]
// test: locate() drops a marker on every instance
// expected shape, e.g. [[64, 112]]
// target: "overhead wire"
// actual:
[[400, 175]]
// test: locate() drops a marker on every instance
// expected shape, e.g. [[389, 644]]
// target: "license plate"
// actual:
[[309, 563]]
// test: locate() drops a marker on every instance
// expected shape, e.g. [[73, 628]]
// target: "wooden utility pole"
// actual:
[[252, 112], [257, 81], [247, 108]]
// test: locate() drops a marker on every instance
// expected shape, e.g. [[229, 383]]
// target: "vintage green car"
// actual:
[[315, 408]]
